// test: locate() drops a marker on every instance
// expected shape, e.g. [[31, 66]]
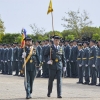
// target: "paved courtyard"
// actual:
[[12, 88]]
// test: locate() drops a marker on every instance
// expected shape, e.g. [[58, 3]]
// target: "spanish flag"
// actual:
[[50, 9]]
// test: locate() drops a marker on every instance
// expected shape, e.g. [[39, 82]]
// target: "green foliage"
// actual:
[[10, 38], [2, 28], [18, 39], [89, 31], [70, 37], [96, 36], [66, 34], [54, 33], [1, 36]]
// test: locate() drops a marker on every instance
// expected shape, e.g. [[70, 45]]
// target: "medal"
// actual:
[[56, 60], [31, 61]]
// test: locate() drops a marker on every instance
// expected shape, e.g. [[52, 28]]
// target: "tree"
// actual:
[[96, 36], [76, 21], [11, 38], [67, 32], [70, 37], [89, 31], [37, 30], [2, 29], [53, 33]]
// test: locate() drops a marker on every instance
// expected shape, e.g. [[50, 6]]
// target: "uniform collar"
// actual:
[[56, 46], [47, 45], [93, 46], [80, 50], [74, 45]]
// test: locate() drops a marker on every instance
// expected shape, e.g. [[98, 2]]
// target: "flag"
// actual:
[[50, 9], [23, 32]]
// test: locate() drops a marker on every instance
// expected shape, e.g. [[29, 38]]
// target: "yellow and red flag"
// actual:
[[50, 9]]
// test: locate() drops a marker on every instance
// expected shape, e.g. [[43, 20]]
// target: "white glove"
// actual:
[[16, 60], [86, 65], [8, 60], [67, 60], [49, 62], [93, 65], [1, 60], [23, 54], [40, 68], [5, 61], [80, 65], [64, 69], [71, 61]]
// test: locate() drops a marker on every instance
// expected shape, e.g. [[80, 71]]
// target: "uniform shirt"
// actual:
[[85, 57], [56, 54], [92, 56], [79, 57], [98, 57], [74, 53]]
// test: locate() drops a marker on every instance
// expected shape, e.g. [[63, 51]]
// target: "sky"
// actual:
[[18, 14]]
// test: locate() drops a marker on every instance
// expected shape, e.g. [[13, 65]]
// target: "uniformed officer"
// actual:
[[20, 60], [5, 59], [73, 59], [56, 62], [98, 62], [45, 59], [15, 59], [92, 62], [9, 59], [67, 55], [43, 67], [85, 61], [2, 58], [39, 54], [31, 62], [61, 44], [79, 63]]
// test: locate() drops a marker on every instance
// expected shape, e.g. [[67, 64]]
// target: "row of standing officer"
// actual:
[[9, 58], [88, 62]]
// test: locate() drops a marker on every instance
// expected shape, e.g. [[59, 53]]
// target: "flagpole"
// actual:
[[52, 23]]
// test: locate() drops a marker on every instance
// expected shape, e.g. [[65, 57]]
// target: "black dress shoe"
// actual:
[[98, 84], [48, 95], [92, 84], [59, 97], [79, 82], [86, 83], [28, 97], [15, 75]]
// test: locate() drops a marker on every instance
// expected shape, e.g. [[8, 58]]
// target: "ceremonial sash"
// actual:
[[28, 57]]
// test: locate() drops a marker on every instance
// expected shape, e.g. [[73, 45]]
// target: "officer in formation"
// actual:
[[10, 59], [88, 62], [83, 60], [79, 62]]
